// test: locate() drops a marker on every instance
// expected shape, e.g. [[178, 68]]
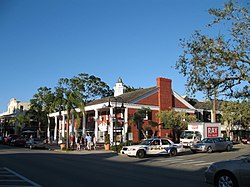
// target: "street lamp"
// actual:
[[116, 99]]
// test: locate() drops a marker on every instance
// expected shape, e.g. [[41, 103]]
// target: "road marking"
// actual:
[[170, 160], [202, 164], [180, 161], [192, 162], [11, 178]]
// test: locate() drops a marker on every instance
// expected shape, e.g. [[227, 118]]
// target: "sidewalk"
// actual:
[[57, 148]]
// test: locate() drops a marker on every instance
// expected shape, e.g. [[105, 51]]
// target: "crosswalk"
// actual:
[[178, 161], [9, 178]]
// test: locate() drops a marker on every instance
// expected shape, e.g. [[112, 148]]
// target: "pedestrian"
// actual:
[[89, 141], [94, 142], [83, 142], [78, 145], [72, 138]]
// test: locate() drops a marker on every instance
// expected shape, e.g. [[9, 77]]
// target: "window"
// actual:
[[216, 139], [148, 115], [156, 142], [165, 142]]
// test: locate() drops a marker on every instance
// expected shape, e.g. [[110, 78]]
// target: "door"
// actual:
[[154, 148], [218, 144], [101, 136]]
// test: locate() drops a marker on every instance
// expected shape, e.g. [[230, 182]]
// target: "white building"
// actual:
[[15, 107]]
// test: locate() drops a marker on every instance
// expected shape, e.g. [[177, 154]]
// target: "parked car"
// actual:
[[153, 146], [245, 140], [212, 144], [233, 173], [35, 143], [18, 141], [7, 139]]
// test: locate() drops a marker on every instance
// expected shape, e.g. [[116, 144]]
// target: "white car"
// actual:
[[153, 146]]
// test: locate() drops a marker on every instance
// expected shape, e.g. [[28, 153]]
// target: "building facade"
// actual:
[[113, 115], [15, 108]]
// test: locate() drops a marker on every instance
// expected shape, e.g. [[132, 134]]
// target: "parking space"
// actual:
[[10, 178]]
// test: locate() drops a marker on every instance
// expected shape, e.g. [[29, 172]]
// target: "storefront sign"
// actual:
[[212, 132]]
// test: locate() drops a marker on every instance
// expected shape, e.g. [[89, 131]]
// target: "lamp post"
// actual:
[[116, 99]]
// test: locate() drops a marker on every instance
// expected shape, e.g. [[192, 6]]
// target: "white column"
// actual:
[[83, 124], [48, 130], [111, 125], [96, 123], [63, 126], [125, 128], [55, 129], [60, 131]]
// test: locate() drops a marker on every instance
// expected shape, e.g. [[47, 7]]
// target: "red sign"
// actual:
[[212, 132]]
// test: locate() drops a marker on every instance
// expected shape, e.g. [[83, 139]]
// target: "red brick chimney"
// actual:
[[164, 93]]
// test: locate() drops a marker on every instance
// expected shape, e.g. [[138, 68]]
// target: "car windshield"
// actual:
[[207, 140], [187, 134], [146, 142]]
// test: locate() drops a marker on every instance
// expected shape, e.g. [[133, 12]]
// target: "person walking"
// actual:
[[78, 145], [94, 142], [89, 141]]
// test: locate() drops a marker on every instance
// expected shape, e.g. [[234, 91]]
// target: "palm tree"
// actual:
[[19, 120], [77, 91]]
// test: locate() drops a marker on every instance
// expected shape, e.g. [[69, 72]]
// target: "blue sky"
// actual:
[[42, 41]]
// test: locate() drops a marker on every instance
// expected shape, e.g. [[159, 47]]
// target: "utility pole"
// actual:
[[214, 107]]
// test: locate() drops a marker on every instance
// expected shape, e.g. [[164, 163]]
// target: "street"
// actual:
[[85, 168]]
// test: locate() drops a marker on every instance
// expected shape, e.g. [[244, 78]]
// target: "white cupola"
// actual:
[[119, 89]]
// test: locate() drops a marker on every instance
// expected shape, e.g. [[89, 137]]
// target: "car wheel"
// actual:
[[209, 149], [193, 151], [228, 148], [225, 179], [140, 154], [173, 152]]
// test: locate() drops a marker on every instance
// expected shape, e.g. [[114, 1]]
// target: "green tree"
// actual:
[[235, 114], [130, 88], [74, 93], [69, 98], [39, 116], [42, 104], [219, 64], [91, 87], [138, 120], [175, 120], [19, 120]]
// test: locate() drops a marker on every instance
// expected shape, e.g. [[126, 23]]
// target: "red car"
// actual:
[[245, 140]]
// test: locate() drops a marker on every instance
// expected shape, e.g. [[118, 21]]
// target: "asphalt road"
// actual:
[[49, 168]]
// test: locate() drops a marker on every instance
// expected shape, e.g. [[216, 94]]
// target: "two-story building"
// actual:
[[15, 108], [113, 115]]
